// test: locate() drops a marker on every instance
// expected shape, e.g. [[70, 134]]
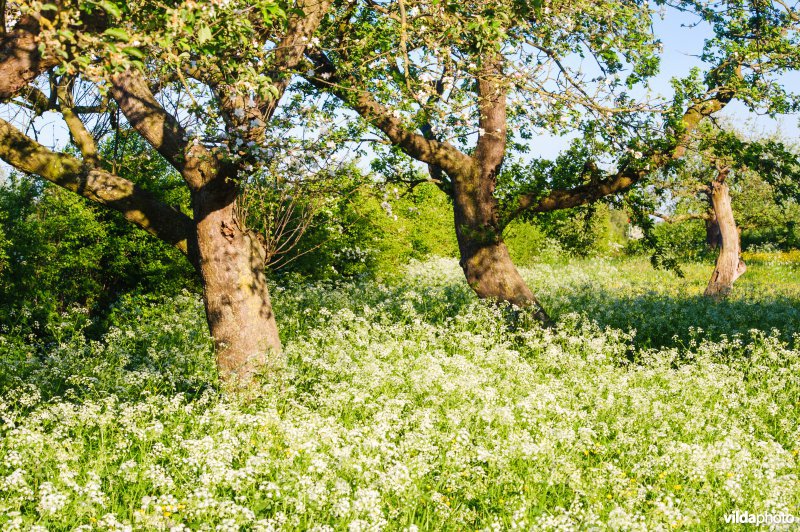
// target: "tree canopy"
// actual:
[[234, 94]]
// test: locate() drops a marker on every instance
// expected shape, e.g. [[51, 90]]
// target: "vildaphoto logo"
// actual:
[[746, 518]]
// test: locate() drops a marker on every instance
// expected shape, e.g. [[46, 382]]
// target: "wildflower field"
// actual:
[[410, 405]]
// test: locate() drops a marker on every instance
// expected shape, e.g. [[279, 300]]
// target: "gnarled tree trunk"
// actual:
[[238, 306], [730, 265], [230, 261], [485, 259]]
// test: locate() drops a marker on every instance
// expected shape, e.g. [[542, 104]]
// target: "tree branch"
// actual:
[[148, 117], [80, 135], [162, 131], [137, 205], [629, 175], [682, 217], [491, 146], [441, 154], [20, 60], [291, 49]]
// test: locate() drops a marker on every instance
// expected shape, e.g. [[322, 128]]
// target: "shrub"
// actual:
[[57, 250]]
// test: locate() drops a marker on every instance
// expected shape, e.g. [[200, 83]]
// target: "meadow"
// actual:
[[409, 405]]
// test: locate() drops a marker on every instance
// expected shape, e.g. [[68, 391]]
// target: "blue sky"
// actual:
[[682, 46]]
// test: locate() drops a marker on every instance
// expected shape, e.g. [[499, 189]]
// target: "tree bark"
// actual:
[[713, 234], [20, 60], [730, 265], [230, 260], [237, 302], [485, 259]]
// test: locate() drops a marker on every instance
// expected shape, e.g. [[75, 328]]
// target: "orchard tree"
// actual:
[[460, 86], [200, 82], [701, 189]]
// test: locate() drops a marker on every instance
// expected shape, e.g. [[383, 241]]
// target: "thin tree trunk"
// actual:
[[238, 306], [730, 265]]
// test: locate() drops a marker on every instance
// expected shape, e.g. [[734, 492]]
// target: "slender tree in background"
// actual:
[[722, 234], [232, 61], [730, 265], [432, 76], [701, 190]]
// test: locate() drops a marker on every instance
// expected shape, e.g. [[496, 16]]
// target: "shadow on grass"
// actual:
[[667, 320], [660, 320], [162, 346]]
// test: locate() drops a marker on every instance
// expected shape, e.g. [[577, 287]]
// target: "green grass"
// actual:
[[410, 404], [666, 310]]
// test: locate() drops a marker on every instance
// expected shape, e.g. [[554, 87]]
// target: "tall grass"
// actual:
[[410, 406]]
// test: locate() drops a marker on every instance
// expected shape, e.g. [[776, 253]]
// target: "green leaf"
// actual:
[[133, 52], [111, 8], [118, 33], [271, 11], [204, 35]]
